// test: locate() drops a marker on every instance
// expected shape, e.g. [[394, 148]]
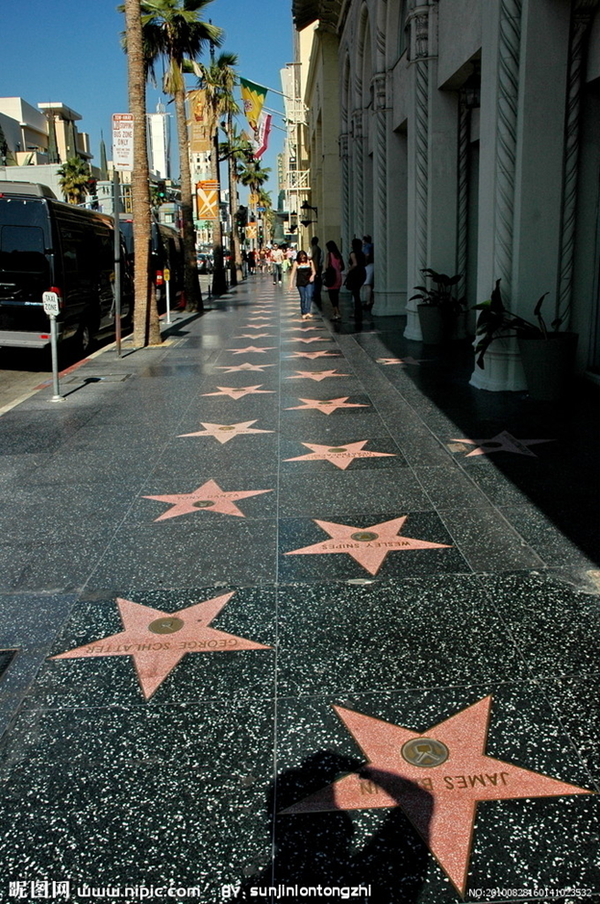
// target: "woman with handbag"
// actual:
[[332, 277], [302, 276]]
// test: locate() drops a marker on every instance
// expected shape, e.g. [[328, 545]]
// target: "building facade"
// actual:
[[469, 142]]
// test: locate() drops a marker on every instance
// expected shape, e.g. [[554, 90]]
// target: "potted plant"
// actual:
[[547, 355], [439, 306]]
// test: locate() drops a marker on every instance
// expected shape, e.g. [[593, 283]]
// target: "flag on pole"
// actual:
[[263, 131], [253, 97]]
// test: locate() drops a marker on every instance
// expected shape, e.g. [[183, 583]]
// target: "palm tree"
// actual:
[[236, 150], [218, 81], [74, 175], [174, 30], [146, 328]]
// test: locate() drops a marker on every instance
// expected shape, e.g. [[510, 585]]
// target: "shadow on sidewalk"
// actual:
[[318, 848]]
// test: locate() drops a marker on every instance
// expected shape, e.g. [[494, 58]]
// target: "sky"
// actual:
[[69, 51]]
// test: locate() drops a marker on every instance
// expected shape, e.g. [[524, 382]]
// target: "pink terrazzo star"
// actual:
[[503, 442], [233, 368], [238, 392], [327, 406], [309, 340], [304, 329], [224, 432], [252, 349], [408, 360], [367, 545], [316, 375], [340, 456], [157, 640], [313, 355], [254, 336], [207, 498], [436, 778]]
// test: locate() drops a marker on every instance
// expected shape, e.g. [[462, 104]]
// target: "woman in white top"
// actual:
[[303, 277]]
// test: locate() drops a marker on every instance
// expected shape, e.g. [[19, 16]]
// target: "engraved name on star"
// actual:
[[340, 456], [157, 640], [207, 498], [436, 778], [316, 375], [502, 442], [368, 546], [238, 392], [327, 406], [233, 368], [224, 432]]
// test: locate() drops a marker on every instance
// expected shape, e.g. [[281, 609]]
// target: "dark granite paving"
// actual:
[[285, 619]]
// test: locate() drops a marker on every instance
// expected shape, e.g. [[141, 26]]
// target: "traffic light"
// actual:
[[161, 191]]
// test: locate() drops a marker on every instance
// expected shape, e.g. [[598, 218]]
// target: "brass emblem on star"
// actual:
[[364, 536], [166, 625], [425, 752]]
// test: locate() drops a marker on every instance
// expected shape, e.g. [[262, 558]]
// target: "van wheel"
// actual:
[[84, 338]]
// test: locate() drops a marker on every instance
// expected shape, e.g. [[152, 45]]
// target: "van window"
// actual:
[[22, 249]]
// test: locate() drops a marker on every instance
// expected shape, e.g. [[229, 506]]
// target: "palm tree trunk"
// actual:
[[146, 329], [236, 257], [193, 295], [219, 283]]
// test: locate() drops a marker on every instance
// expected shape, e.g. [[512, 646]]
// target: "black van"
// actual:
[[46, 245], [166, 254]]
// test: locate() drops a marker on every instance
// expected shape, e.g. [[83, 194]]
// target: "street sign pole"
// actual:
[[116, 211], [51, 303], [167, 278], [122, 143]]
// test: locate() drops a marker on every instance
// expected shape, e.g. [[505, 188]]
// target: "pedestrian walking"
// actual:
[[316, 256], [356, 276], [276, 263], [302, 276], [252, 262], [368, 252], [334, 266]]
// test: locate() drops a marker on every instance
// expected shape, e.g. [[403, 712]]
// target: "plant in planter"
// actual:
[[439, 306], [548, 355]]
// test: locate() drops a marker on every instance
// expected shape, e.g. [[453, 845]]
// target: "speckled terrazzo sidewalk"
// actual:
[[289, 611]]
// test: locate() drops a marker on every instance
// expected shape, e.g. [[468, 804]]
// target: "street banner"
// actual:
[[207, 200], [253, 97], [262, 134], [198, 125], [251, 231], [122, 141]]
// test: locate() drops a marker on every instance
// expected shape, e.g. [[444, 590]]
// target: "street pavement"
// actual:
[[289, 611]]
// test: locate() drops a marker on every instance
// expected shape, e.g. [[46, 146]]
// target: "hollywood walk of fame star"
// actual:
[[236, 393], [158, 640], [304, 329], [254, 336], [309, 340], [261, 318], [251, 348], [340, 456], [503, 442], [316, 375], [224, 432], [408, 360], [367, 545], [207, 498], [313, 355], [327, 406], [436, 778], [233, 368]]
